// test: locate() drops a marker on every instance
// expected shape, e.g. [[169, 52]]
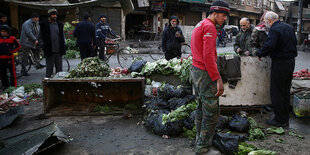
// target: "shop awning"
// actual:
[[280, 6], [48, 4]]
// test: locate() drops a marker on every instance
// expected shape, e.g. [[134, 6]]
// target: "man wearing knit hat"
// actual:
[[172, 39], [207, 82], [102, 31], [85, 34], [53, 42]]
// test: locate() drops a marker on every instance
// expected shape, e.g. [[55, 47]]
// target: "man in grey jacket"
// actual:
[[30, 42]]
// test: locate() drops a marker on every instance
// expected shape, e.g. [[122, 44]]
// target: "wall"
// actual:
[[254, 86], [187, 32]]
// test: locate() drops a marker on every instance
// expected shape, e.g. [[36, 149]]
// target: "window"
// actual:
[[249, 2], [242, 2]]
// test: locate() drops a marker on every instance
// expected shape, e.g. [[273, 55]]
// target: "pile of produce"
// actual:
[[90, 67], [302, 74], [70, 41], [118, 72], [178, 67], [20, 96]]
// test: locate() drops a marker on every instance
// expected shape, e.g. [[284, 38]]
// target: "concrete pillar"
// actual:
[[14, 15], [123, 24], [203, 15], [157, 22]]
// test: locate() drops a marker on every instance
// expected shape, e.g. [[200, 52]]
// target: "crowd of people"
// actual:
[[270, 37], [49, 36]]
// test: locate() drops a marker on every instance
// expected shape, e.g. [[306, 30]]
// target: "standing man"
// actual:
[[259, 35], [281, 46], [85, 34], [102, 30], [29, 40], [207, 82], [53, 42], [172, 39], [242, 44], [3, 19]]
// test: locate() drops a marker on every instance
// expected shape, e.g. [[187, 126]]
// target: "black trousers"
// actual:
[[86, 51], [101, 48], [173, 54], [55, 59], [280, 84], [5, 65]]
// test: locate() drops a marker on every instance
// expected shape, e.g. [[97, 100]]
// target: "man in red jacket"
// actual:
[[207, 82]]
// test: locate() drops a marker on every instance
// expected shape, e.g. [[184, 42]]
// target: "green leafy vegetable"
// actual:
[[180, 113], [262, 152], [276, 130], [292, 133], [279, 140]]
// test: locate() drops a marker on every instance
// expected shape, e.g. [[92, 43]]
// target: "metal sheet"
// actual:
[[34, 141]]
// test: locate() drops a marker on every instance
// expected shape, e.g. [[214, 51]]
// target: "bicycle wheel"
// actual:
[[65, 64], [186, 49], [18, 66], [124, 58], [156, 52]]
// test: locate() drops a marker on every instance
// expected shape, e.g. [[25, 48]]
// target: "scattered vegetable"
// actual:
[[276, 130]]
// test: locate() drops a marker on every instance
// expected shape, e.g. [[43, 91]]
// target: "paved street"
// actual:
[[115, 135], [302, 61]]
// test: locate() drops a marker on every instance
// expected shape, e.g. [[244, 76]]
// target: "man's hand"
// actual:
[[239, 50], [36, 42], [247, 53], [178, 34], [220, 88]]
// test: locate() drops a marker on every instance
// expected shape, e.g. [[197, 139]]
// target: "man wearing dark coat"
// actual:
[[172, 39], [53, 42]]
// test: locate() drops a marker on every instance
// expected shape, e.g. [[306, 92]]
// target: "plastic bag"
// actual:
[[137, 66], [226, 143], [223, 121], [168, 91], [190, 121], [154, 123], [239, 124]]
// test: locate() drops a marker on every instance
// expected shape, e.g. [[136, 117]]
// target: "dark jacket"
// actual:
[[169, 41], [46, 38], [8, 46], [243, 41], [281, 42], [102, 30], [85, 33]]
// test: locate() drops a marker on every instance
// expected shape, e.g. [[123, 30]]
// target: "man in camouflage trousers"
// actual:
[[242, 44], [207, 82]]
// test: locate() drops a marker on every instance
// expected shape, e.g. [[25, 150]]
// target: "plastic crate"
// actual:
[[301, 105]]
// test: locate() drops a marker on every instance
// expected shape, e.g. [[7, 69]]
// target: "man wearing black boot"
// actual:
[[281, 46]]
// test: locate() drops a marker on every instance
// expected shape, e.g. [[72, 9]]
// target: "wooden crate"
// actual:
[[80, 96]]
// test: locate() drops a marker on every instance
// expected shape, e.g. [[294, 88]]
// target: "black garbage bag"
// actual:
[[223, 121], [154, 124], [154, 103], [226, 143], [137, 66], [175, 103], [239, 124], [190, 121], [168, 92]]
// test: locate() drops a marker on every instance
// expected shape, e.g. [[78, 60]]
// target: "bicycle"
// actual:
[[156, 52], [19, 64], [124, 56]]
